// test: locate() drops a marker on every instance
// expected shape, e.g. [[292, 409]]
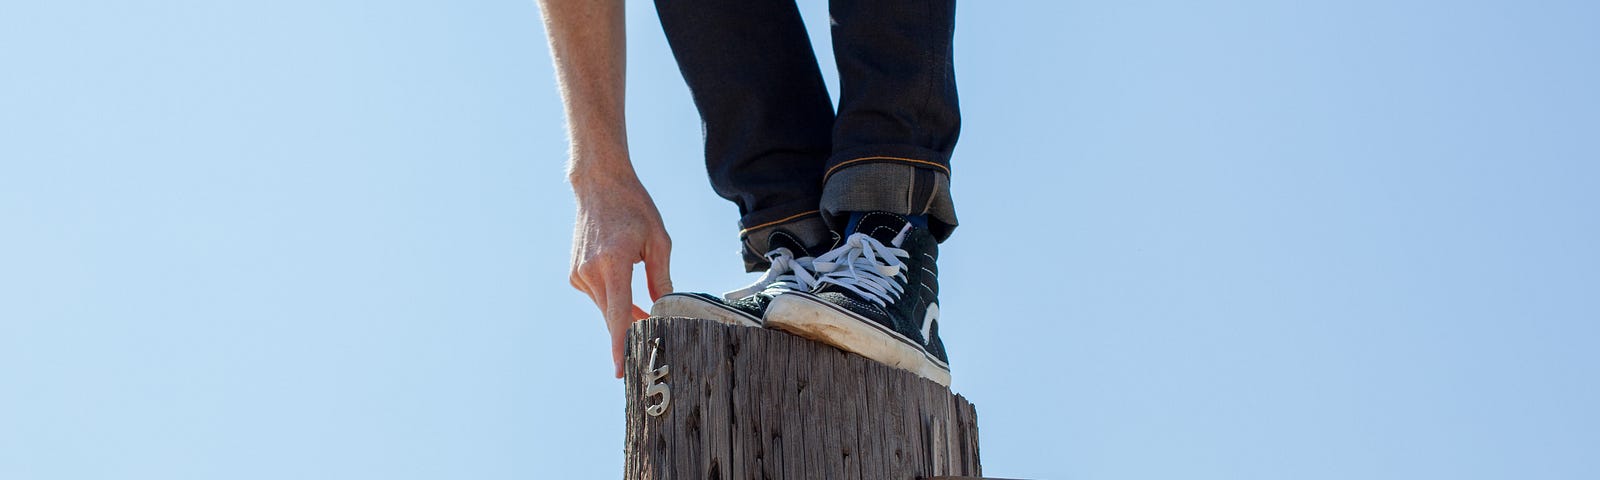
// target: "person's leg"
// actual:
[[898, 116], [886, 188], [767, 116], [767, 119]]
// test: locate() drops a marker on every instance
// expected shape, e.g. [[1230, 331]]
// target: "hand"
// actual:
[[618, 226]]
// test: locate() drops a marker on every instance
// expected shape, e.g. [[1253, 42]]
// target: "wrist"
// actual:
[[591, 166], [602, 178]]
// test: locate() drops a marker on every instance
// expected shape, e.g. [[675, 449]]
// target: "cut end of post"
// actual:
[[711, 400]]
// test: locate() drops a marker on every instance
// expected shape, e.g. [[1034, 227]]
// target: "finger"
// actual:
[[616, 352], [657, 271], [638, 314], [586, 286], [619, 310], [583, 286], [598, 296]]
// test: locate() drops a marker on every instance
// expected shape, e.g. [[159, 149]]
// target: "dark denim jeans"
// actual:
[[774, 145]]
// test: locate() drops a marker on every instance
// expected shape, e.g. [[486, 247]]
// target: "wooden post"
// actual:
[[729, 402]]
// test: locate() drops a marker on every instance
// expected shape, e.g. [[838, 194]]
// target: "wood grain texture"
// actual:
[[752, 403]]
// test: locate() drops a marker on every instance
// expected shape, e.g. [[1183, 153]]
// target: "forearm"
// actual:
[[588, 45]]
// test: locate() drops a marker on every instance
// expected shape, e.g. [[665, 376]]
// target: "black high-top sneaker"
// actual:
[[790, 271], [876, 296]]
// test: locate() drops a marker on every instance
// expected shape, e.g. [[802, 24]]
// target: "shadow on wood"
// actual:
[[708, 401]]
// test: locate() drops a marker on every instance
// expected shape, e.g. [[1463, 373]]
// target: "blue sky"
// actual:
[[1207, 240]]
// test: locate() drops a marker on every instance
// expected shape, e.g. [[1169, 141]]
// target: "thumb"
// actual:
[[657, 270]]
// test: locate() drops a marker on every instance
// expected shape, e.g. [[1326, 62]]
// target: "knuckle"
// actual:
[[597, 261], [601, 268], [600, 254]]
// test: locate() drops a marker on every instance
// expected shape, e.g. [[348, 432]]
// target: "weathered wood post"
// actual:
[[713, 401]]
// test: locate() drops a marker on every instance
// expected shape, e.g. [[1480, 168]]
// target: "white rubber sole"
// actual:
[[680, 305], [814, 318]]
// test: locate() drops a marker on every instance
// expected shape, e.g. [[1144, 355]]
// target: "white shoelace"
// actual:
[[786, 273], [865, 266]]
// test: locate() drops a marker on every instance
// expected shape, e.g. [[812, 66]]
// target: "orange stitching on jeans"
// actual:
[[912, 160], [777, 222]]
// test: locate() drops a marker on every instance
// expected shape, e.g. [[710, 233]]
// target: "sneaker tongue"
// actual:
[[782, 239], [883, 227]]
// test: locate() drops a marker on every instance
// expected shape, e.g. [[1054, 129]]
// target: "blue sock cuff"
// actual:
[[855, 217]]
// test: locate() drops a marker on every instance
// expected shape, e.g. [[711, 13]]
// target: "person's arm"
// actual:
[[617, 223]]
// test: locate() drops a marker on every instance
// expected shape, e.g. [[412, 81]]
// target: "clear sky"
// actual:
[[1202, 240]]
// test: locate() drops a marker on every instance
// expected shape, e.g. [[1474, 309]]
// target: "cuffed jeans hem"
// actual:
[[905, 188], [898, 154], [800, 219]]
